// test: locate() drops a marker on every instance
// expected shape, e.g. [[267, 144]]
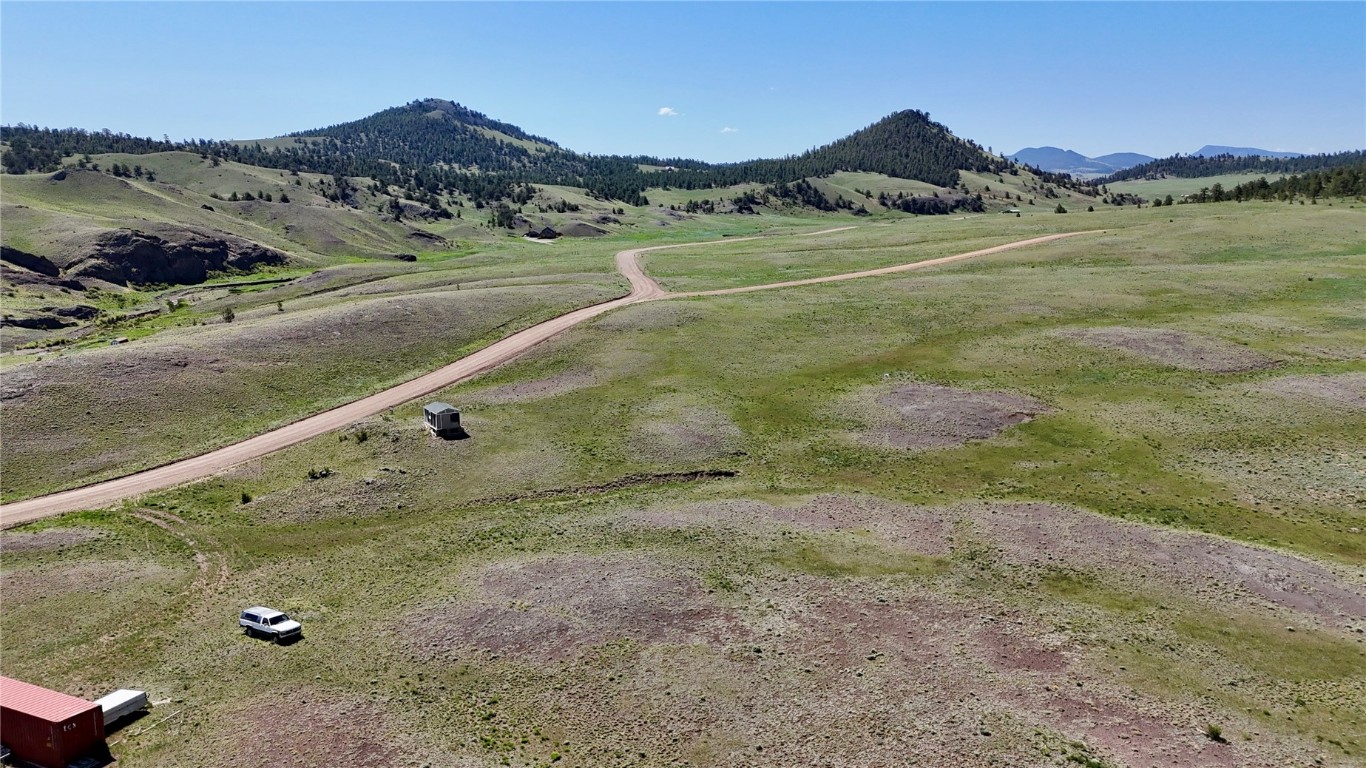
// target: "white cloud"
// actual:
[[729, 129], [668, 112]]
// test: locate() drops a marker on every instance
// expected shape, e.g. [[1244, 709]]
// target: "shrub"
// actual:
[[1214, 733]]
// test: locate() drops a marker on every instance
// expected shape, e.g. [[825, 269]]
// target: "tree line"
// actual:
[[1192, 167], [1337, 182]]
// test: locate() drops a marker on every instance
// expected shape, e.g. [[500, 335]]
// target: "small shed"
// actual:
[[442, 419], [48, 728]]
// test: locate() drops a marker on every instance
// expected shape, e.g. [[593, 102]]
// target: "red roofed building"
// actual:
[[48, 728]]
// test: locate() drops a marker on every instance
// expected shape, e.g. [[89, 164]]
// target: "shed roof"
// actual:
[[439, 408], [40, 702]]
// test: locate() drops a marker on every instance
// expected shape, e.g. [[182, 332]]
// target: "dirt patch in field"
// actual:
[[36, 583], [856, 673], [923, 416], [538, 389], [1178, 349], [673, 434], [1207, 567], [555, 608], [310, 728], [1213, 569], [1343, 389], [49, 539]]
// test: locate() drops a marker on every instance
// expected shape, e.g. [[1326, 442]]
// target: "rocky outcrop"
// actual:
[[581, 229], [35, 322], [427, 238], [175, 256], [29, 261]]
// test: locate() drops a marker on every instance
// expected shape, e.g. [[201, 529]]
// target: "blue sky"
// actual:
[[1156, 78]]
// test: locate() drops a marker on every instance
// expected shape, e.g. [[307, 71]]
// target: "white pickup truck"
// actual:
[[268, 622]]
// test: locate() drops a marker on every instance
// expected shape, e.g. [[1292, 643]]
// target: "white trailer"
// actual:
[[121, 704]]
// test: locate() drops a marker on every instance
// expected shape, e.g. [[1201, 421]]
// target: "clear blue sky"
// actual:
[[1156, 78]]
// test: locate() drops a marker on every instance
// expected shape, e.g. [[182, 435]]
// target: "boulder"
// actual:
[[175, 256]]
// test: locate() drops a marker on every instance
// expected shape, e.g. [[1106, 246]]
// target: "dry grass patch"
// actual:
[[672, 432], [923, 416], [25, 585], [1177, 349], [49, 539], [307, 728], [1339, 389], [1209, 568], [538, 389], [556, 608]]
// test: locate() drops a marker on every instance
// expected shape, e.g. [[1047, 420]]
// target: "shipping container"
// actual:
[[48, 728]]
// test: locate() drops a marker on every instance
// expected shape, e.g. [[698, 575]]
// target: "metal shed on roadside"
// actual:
[[442, 419], [49, 728]]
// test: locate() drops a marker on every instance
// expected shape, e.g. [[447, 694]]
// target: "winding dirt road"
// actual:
[[643, 288]]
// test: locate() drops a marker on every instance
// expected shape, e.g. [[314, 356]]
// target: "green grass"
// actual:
[[1176, 187], [777, 386], [870, 246]]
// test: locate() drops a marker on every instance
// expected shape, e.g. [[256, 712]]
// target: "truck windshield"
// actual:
[[278, 619]]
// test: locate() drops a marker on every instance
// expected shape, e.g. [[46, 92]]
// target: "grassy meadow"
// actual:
[[1150, 189], [1097, 502]]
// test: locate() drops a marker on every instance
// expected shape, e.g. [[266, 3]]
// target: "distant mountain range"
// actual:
[[1214, 150], [1059, 160]]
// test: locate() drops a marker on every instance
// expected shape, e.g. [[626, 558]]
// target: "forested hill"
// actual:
[[431, 145], [907, 145], [1194, 166], [435, 132]]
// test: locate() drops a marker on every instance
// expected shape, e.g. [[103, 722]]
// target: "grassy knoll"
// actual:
[[1176, 187], [898, 572]]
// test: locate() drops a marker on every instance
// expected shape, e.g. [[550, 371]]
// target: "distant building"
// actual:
[[442, 419]]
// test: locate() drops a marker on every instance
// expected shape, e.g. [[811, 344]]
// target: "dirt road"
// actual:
[[643, 288]]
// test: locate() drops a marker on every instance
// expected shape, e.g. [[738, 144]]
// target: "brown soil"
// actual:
[[555, 608], [1345, 389], [835, 673], [1175, 348], [684, 435], [307, 729], [50, 539], [922, 416], [1037, 535], [1198, 565]]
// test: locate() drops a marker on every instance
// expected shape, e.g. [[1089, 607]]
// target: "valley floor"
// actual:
[[1098, 502]]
